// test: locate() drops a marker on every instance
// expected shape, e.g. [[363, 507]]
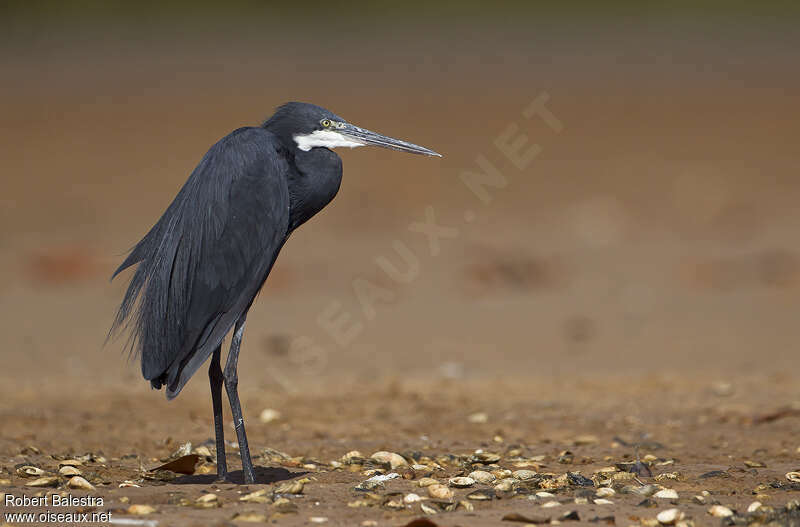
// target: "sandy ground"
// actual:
[[631, 291]]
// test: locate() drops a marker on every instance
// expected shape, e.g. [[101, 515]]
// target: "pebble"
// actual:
[[666, 494], [426, 482], [251, 517], [394, 460], [481, 476], [141, 510], [487, 458], [720, 511], [70, 463], [523, 475], [603, 501], [269, 415], [794, 477], [318, 519], [411, 498], [77, 482], [440, 492], [550, 504], [427, 509], [47, 481], [753, 507], [353, 454], [291, 487], [669, 516], [505, 485], [605, 492], [369, 523], [69, 471], [259, 496], [478, 418], [461, 482], [29, 470], [545, 495]]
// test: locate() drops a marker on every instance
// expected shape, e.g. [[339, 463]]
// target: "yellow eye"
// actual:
[[325, 122]]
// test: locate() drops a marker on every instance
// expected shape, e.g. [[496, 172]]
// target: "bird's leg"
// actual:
[[215, 376], [231, 384]]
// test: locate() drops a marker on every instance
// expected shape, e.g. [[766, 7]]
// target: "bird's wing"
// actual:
[[205, 260]]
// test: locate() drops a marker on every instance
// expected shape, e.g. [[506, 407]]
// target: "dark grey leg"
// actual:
[[215, 376], [231, 384]]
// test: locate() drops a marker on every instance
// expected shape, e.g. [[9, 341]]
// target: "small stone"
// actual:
[[251, 517], [440, 492], [605, 492], [29, 471], [523, 475], [46, 481], [183, 450], [78, 482], [478, 418], [481, 476], [603, 501], [720, 511], [427, 509], [70, 463], [318, 519], [486, 458], [69, 471], [269, 415], [411, 498], [669, 516], [666, 494], [505, 485], [369, 523], [461, 482], [426, 482], [203, 451], [141, 510], [205, 498], [543, 494], [395, 505], [291, 487], [753, 507], [259, 496], [467, 506], [754, 464], [700, 499], [393, 459], [550, 504], [481, 495], [794, 477], [348, 458]]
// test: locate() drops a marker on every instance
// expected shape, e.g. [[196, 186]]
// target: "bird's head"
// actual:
[[308, 126]]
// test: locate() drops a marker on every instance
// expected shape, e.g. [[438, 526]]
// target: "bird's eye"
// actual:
[[325, 122]]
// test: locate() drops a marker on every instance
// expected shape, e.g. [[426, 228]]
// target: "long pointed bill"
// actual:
[[367, 137]]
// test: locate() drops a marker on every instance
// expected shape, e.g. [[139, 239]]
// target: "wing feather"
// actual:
[[204, 261]]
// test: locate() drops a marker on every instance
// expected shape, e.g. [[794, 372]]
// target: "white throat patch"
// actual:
[[324, 138]]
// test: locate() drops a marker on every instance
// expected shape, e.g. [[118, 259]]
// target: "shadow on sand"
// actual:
[[264, 475]]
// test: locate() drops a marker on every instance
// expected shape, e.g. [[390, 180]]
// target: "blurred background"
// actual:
[[656, 232]]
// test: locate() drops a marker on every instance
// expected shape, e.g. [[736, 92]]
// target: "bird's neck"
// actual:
[[313, 184]]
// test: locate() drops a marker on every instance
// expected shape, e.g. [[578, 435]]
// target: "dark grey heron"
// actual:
[[202, 264]]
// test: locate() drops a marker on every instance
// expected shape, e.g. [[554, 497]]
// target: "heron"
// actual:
[[201, 265]]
